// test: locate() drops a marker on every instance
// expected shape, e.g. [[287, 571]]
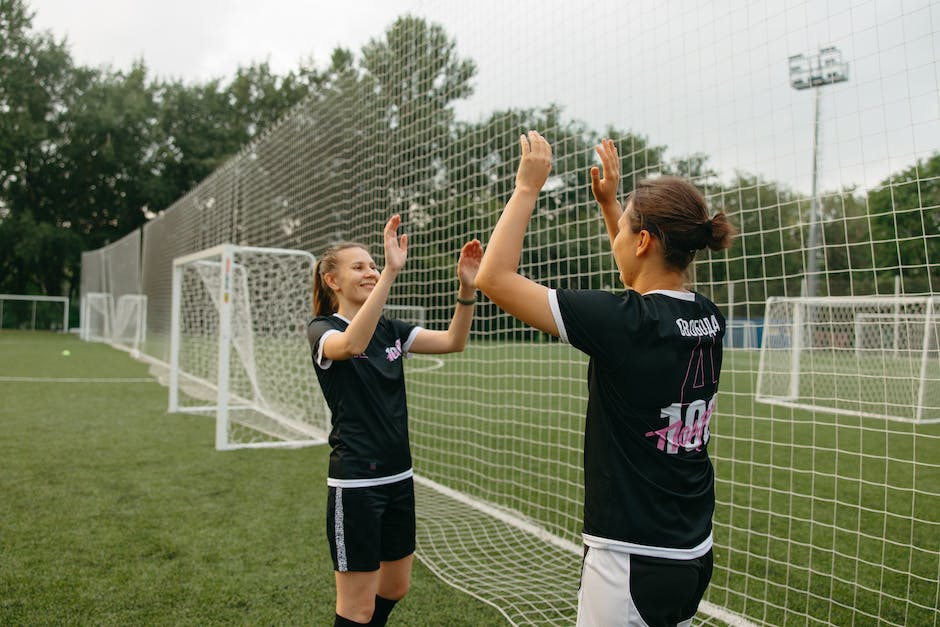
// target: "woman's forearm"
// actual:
[[505, 246], [362, 326]]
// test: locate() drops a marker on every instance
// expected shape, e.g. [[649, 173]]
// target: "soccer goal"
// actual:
[[414, 314], [122, 324], [238, 346], [130, 322], [24, 311], [97, 315], [865, 356]]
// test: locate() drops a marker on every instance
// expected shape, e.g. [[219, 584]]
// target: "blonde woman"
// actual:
[[358, 353]]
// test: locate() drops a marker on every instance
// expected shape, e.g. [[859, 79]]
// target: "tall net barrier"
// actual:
[[823, 517]]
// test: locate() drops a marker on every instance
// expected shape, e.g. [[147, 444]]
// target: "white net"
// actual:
[[97, 316], [822, 517], [240, 343], [130, 321]]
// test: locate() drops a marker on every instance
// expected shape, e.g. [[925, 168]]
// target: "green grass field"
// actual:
[[117, 513]]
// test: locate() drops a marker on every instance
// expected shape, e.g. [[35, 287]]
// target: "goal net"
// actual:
[[239, 349], [130, 322], [122, 324], [876, 357], [97, 316]]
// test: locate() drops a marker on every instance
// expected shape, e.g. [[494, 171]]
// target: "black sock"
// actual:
[[383, 607], [341, 621]]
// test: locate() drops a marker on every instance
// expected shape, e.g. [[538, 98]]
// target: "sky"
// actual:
[[698, 76]]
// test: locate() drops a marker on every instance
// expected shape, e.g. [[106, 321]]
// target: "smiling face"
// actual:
[[355, 276]]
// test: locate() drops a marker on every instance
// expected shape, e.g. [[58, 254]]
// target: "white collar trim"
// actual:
[[681, 295]]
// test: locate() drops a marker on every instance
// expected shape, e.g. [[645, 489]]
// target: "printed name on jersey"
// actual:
[[699, 327], [687, 426]]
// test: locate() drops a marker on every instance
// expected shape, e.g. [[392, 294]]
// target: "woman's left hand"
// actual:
[[469, 263], [396, 251], [605, 189]]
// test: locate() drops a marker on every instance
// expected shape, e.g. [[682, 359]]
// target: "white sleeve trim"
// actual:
[[556, 314], [318, 358], [406, 347]]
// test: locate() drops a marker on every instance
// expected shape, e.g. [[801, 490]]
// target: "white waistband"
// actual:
[[370, 482]]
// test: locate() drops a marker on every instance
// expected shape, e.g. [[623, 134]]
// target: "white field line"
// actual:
[[75, 380], [436, 363]]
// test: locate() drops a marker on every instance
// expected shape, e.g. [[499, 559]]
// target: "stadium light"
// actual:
[[825, 68]]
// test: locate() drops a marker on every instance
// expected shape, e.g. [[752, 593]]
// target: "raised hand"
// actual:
[[395, 252], [605, 189], [469, 263], [535, 164]]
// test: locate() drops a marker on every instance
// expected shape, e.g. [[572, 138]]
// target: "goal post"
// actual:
[[238, 347], [864, 356]]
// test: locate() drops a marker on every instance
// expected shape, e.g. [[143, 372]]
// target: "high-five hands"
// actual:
[[535, 164], [469, 263], [395, 252], [605, 189]]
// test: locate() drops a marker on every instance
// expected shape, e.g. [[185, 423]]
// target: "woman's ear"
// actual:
[[644, 242], [330, 281]]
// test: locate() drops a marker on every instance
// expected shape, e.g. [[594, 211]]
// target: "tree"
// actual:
[[36, 83], [86, 154], [905, 228], [412, 76]]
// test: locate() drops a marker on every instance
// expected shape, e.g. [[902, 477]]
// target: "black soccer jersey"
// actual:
[[366, 395], [652, 379]]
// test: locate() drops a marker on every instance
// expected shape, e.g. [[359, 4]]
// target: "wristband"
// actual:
[[466, 301]]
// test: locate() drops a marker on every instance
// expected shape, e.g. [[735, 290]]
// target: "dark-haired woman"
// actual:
[[655, 357], [357, 353]]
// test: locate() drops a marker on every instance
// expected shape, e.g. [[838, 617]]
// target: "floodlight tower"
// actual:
[[807, 72]]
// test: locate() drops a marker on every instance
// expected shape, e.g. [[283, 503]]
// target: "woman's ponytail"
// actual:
[[322, 294], [721, 232]]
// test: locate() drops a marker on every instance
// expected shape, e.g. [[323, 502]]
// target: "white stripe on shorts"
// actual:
[[340, 535]]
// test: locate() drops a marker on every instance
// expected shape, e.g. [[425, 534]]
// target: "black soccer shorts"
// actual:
[[369, 525]]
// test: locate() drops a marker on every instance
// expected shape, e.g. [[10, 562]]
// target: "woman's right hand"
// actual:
[[535, 164], [395, 252], [605, 189]]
